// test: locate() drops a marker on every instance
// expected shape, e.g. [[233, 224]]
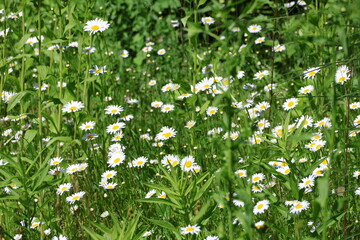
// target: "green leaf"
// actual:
[[204, 107], [22, 41], [166, 225], [159, 201], [17, 98]]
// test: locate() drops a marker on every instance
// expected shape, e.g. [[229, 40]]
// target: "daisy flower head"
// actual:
[[279, 48], [299, 207], [147, 49], [307, 182], [259, 224], [116, 159], [257, 177], [109, 174], [75, 197], [89, 50], [306, 90], [211, 111], [174, 23], [262, 124], [311, 72], [166, 133], [170, 160], [357, 191], [290, 104], [261, 206], [240, 74], [167, 108], [241, 173], [113, 109], [148, 233], [207, 20], [207, 69], [63, 188], [259, 40], [354, 105], [161, 52], [341, 75], [151, 193], [190, 229], [108, 185], [187, 163], [87, 126], [254, 28], [98, 70], [97, 25], [139, 162], [157, 104], [56, 161], [124, 53], [190, 124], [261, 74], [72, 106], [212, 238], [152, 83], [184, 95], [162, 195]]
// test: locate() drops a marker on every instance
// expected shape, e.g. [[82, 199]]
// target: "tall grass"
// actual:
[[266, 158]]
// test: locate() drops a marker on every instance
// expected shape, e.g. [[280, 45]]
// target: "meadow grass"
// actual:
[[179, 119]]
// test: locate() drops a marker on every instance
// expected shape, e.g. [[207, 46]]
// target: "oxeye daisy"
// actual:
[[207, 69], [147, 49], [207, 20], [259, 224], [254, 28], [139, 162], [172, 160], [124, 53], [75, 197], [190, 229], [311, 72], [354, 105], [90, 136], [187, 163], [116, 159], [174, 23], [98, 70], [261, 74], [279, 48], [299, 207], [152, 83], [162, 195], [190, 124], [307, 182], [241, 173], [114, 109], [259, 40], [261, 206], [184, 95], [97, 25], [63, 188], [212, 238], [161, 52], [109, 174], [290, 104], [107, 185], [157, 104], [166, 133], [87, 126], [72, 106], [89, 50], [116, 127], [73, 168], [257, 177], [306, 90], [150, 193], [211, 111], [56, 161], [167, 108], [357, 121]]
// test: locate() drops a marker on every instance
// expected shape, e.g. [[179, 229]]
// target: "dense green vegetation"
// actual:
[[179, 119]]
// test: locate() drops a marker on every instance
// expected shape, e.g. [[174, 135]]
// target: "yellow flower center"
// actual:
[[299, 206], [115, 127], [190, 229], [75, 198], [63, 188], [260, 206], [55, 163], [307, 182], [117, 160], [167, 135], [290, 104], [188, 164], [73, 108], [140, 163], [256, 179], [342, 79], [95, 27], [109, 175]]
